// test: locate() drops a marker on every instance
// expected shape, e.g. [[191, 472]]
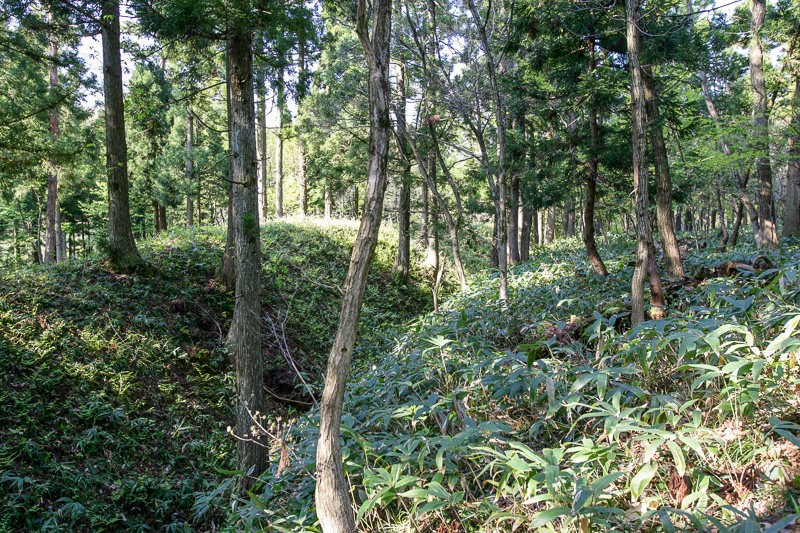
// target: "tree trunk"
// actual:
[[156, 220], [332, 495], [122, 245], [550, 225], [518, 162], [589, 243], [227, 265], [328, 199], [402, 262], [163, 216], [722, 225], [302, 166], [251, 446], [526, 230], [761, 127], [189, 167], [279, 146], [502, 167], [639, 142], [737, 223], [658, 148], [50, 247], [791, 221], [355, 202], [432, 253], [261, 95]]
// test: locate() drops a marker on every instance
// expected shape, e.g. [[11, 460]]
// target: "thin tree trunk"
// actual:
[[658, 148], [502, 170], [518, 162], [402, 262], [50, 247], [332, 495], [791, 220], [122, 245], [722, 225], [279, 146], [328, 200], [526, 230], [189, 167], [227, 266], [156, 220], [302, 165], [355, 201], [251, 446], [163, 216], [550, 225], [737, 223], [639, 142], [589, 243], [261, 99], [761, 127]]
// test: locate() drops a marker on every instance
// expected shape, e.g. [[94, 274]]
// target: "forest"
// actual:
[[420, 266]]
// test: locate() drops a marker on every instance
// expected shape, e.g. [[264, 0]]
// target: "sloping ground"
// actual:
[[551, 414], [116, 391]]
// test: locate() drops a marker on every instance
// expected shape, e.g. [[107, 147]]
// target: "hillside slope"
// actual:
[[551, 414], [116, 390]]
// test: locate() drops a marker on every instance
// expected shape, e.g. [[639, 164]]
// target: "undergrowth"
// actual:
[[116, 390], [549, 413]]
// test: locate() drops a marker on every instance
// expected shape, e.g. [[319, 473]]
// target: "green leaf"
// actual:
[[548, 516], [581, 497], [642, 479], [677, 454], [600, 485], [432, 506]]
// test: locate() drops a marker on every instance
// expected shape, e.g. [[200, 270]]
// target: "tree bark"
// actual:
[[550, 225], [526, 230], [518, 162], [156, 220], [122, 246], [251, 448], [761, 127], [227, 265], [502, 170], [658, 149], [163, 217], [402, 262], [189, 166], [589, 242], [50, 247], [332, 496], [261, 95], [791, 220], [328, 200], [639, 142], [302, 166], [279, 145]]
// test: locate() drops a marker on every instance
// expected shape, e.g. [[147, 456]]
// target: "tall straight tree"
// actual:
[[639, 142], [502, 167], [766, 216], [658, 148], [51, 233], [122, 246], [332, 496], [251, 452]]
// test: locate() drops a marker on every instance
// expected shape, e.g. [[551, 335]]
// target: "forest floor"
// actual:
[[547, 414], [116, 390], [551, 413]]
